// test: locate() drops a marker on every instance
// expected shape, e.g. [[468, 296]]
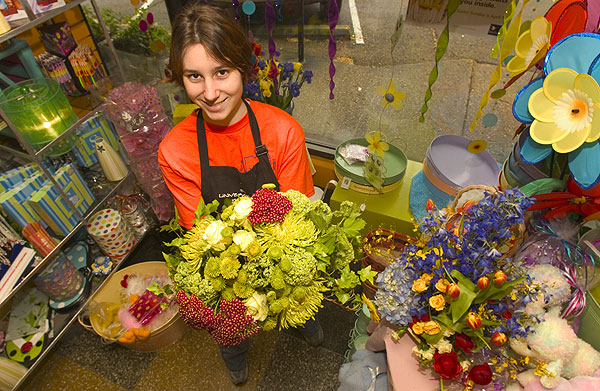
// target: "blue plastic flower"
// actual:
[[581, 53]]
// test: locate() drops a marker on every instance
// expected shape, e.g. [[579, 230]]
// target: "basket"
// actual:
[[380, 246], [168, 333]]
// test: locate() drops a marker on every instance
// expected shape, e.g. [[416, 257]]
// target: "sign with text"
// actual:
[[479, 17]]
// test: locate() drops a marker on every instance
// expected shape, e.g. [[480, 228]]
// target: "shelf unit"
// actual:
[[61, 321]]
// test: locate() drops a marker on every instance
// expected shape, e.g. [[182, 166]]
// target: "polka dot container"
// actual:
[[60, 280], [112, 234]]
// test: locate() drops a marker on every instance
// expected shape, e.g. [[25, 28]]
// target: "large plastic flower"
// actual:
[[390, 96], [531, 46], [564, 110], [571, 128], [376, 144]]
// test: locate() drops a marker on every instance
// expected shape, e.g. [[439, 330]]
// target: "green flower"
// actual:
[[228, 294], [229, 267], [212, 267], [275, 252], [218, 283], [269, 324], [242, 290]]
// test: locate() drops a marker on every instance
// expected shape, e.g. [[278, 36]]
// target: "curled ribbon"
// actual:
[[577, 258]]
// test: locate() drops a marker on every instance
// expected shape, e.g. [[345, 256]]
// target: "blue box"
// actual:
[[14, 201], [85, 149], [17, 175]]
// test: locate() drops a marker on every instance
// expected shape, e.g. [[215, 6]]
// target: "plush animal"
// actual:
[[564, 362]]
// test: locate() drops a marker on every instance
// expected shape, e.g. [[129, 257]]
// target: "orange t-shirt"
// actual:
[[233, 146]]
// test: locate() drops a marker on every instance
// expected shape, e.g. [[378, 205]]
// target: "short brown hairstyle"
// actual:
[[219, 33]]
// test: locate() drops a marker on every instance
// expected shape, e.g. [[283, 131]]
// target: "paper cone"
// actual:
[[112, 165]]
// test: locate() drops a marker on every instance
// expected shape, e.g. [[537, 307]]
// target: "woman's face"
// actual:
[[216, 88]]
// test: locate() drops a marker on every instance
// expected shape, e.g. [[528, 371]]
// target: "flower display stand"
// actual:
[[387, 210]]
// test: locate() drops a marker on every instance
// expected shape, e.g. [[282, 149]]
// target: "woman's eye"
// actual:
[[223, 72], [194, 76]]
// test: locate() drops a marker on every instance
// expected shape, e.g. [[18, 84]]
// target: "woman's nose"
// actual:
[[211, 90]]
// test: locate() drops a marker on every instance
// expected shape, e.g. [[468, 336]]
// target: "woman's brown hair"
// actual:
[[221, 36]]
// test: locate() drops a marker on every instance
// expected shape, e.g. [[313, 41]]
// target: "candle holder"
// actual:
[[40, 112]]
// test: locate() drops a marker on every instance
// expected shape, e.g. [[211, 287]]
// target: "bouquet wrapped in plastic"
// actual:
[[265, 261]]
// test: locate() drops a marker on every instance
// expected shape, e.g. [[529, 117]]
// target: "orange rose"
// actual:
[[437, 302], [426, 277], [432, 327], [419, 286], [441, 285], [417, 328]]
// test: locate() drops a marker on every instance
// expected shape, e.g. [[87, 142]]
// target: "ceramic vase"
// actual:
[[112, 165]]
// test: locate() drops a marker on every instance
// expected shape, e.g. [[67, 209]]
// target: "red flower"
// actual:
[[425, 318], [506, 314], [463, 342], [447, 365], [481, 374], [26, 347], [256, 48]]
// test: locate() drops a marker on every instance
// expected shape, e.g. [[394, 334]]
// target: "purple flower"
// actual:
[[262, 64], [288, 69], [252, 91], [294, 89], [308, 76]]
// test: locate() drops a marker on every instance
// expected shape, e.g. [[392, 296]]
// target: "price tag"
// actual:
[[346, 183]]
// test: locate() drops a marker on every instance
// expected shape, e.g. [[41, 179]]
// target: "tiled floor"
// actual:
[[277, 360]]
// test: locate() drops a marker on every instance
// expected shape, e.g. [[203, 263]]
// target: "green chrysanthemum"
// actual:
[[242, 290], [295, 230], [195, 246], [269, 324], [228, 294], [254, 249], [302, 270], [212, 269], [229, 267], [218, 283], [298, 312]]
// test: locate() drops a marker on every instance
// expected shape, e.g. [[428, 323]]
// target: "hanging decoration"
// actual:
[[333, 15], [236, 10], [440, 50], [507, 47], [508, 15]]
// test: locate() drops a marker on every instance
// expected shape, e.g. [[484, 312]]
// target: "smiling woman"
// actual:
[[229, 147]]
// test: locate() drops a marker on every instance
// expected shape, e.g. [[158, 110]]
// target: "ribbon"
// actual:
[[332, 15], [577, 258]]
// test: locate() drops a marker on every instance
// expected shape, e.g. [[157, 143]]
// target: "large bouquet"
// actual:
[[458, 294], [275, 82], [265, 261]]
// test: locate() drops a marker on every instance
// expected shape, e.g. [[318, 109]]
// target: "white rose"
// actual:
[[242, 209], [243, 239], [212, 233], [257, 306], [443, 346]]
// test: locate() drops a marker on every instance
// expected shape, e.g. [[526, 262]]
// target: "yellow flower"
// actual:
[[376, 144], [390, 96], [426, 277], [437, 302], [297, 67], [417, 328], [564, 110], [265, 87], [477, 146], [441, 285], [531, 47], [432, 327], [419, 286]]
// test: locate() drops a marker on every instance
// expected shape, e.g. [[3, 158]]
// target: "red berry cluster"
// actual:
[[232, 324], [193, 311], [268, 206]]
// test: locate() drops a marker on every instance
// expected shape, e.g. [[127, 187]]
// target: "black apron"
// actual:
[[222, 182]]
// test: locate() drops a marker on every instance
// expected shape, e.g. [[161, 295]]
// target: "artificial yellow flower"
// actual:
[[376, 144], [417, 328], [531, 47], [390, 96], [477, 146], [426, 277], [442, 284], [297, 67], [564, 110]]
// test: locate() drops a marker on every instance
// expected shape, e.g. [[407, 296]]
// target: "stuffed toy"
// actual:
[[562, 360]]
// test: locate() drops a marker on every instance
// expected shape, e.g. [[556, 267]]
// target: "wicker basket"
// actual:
[[168, 333], [380, 247]]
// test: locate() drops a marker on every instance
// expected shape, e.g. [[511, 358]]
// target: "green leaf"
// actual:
[[496, 293], [462, 279], [343, 297], [318, 220], [348, 279], [352, 226], [541, 186], [155, 288], [461, 304], [366, 274]]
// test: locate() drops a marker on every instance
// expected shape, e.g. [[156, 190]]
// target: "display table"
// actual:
[[388, 210]]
